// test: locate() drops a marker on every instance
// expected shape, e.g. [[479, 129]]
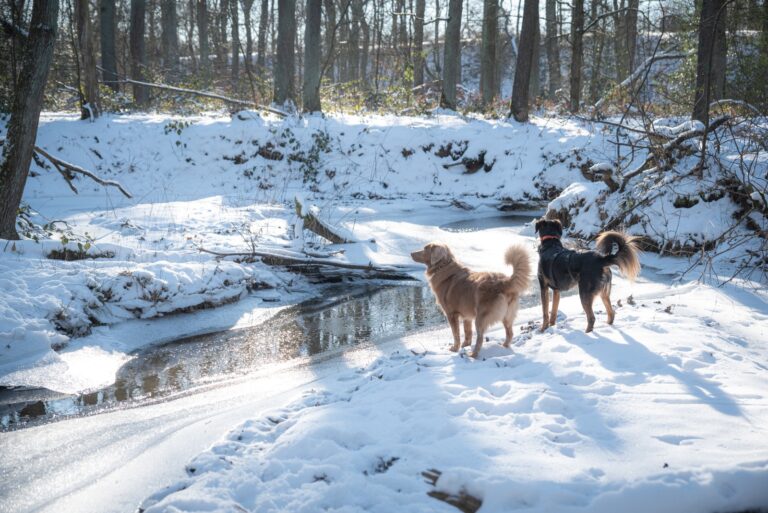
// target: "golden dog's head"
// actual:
[[432, 253]]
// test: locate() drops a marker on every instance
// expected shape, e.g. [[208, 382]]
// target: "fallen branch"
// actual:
[[463, 501], [638, 73], [315, 225], [294, 261], [64, 168], [204, 94]]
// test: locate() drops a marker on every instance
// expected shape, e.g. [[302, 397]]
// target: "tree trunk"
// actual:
[[436, 45], [312, 56], [138, 51], [418, 43], [223, 28], [284, 60], [261, 44], [169, 43], [247, 8], [525, 54], [90, 108], [553, 49], [202, 35], [328, 49], [535, 84], [366, 30], [489, 58], [20, 138], [710, 68], [577, 53], [598, 46], [631, 43], [107, 23], [235, 42], [452, 56], [353, 46]]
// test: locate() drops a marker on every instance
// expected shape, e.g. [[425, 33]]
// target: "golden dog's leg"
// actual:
[[508, 329], [544, 305], [467, 333], [480, 327], [555, 305], [453, 320], [605, 295]]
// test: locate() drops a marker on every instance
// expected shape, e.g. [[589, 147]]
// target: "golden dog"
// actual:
[[485, 297]]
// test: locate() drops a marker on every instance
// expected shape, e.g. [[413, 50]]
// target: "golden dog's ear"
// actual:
[[438, 253]]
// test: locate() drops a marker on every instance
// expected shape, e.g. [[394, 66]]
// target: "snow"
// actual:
[[666, 410]]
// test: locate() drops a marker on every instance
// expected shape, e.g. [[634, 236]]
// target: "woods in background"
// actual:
[[399, 55]]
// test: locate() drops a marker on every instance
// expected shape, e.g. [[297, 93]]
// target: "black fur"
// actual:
[[562, 269]]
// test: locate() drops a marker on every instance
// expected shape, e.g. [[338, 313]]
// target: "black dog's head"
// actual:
[[550, 228]]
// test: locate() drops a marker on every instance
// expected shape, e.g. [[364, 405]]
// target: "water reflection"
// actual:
[[484, 223], [342, 317]]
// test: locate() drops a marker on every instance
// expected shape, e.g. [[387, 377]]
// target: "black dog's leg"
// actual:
[[555, 305], [544, 304], [587, 298], [605, 295]]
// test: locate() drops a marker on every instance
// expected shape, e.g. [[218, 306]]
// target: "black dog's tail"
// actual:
[[620, 249]]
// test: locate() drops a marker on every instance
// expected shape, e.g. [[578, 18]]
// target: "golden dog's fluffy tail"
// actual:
[[620, 249], [517, 256]]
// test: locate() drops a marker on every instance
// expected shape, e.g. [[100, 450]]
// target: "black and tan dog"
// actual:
[[561, 269]]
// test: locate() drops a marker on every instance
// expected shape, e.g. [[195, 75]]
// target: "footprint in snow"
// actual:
[[677, 439]]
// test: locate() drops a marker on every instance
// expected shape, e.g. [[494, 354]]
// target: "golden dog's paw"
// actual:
[[455, 349], [474, 354]]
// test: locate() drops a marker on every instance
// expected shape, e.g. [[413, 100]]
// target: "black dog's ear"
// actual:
[[559, 226], [538, 225]]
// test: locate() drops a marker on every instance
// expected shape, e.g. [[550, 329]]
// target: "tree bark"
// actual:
[[107, 24], [138, 51], [631, 34], [535, 84], [16, 155], [284, 60], [418, 43], [312, 56], [353, 46], [261, 44], [489, 58], [247, 9], [452, 55], [710, 65], [235, 17], [202, 35], [169, 42], [577, 53], [525, 55], [330, 26], [90, 107], [553, 49]]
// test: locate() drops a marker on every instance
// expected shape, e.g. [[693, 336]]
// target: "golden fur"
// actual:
[[485, 297]]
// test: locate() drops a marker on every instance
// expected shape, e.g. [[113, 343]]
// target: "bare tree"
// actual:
[[247, 9], [577, 53], [328, 43], [20, 138], [452, 55], [525, 55], [202, 35], [312, 56], [710, 58], [138, 51], [489, 59], [418, 43], [553, 48], [90, 106], [107, 26], [169, 41], [234, 15], [261, 43], [284, 60]]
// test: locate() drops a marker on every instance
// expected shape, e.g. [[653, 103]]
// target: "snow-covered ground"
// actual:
[[664, 411]]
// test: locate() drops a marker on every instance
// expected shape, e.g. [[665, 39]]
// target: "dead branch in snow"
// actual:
[[668, 147], [65, 169], [463, 501], [316, 225]]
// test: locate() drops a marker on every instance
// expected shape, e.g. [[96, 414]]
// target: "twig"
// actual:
[[62, 165], [462, 501]]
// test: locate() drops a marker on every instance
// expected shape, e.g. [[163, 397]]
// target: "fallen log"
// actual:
[[295, 261], [316, 225]]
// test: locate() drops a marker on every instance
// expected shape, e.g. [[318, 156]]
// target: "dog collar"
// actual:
[[547, 237]]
